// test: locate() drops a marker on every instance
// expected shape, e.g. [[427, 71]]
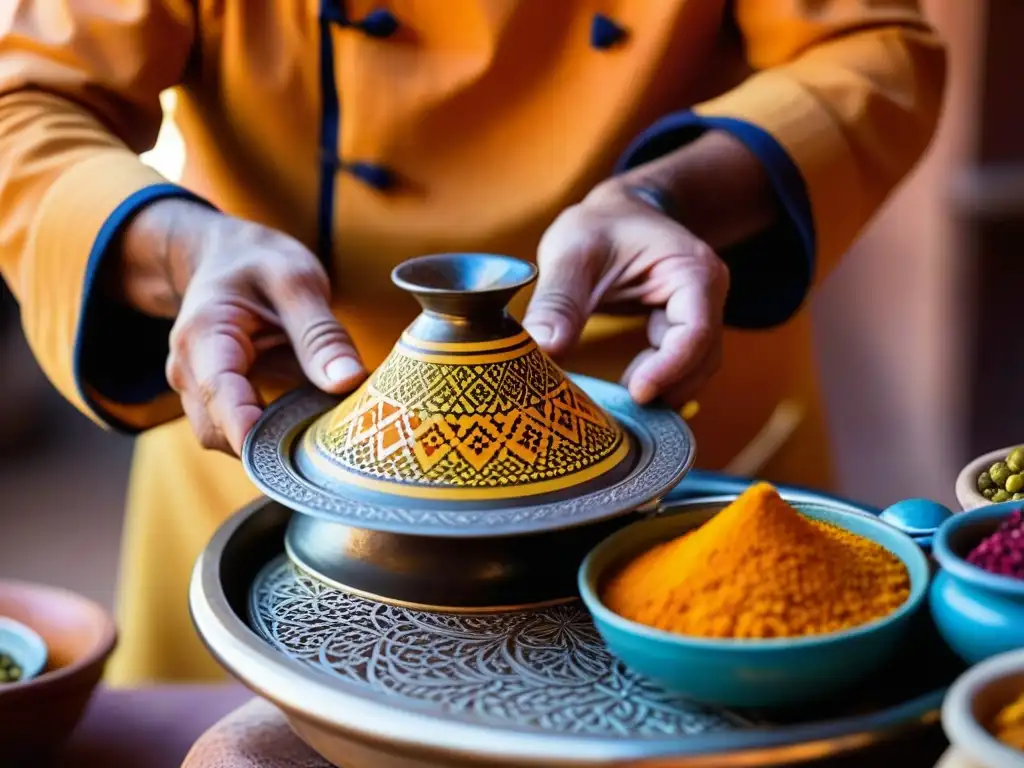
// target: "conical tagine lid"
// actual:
[[461, 412], [467, 422]]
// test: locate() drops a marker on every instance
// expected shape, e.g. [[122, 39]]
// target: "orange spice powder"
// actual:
[[760, 569], [1009, 724]]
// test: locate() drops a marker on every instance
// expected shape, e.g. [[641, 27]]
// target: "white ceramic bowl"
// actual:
[[24, 645], [973, 702], [967, 481]]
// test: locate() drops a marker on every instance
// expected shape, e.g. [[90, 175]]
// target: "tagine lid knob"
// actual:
[[468, 426]]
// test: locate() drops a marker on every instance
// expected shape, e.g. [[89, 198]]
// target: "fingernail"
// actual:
[[343, 369], [542, 334]]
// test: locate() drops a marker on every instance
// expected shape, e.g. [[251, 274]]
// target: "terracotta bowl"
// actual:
[[967, 481], [39, 714]]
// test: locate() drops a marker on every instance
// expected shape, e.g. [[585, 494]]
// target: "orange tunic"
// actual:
[[378, 131]]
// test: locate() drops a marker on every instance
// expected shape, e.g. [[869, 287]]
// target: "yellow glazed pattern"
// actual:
[[472, 420]]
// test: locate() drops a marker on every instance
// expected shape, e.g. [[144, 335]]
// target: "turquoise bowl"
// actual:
[[773, 673], [979, 614]]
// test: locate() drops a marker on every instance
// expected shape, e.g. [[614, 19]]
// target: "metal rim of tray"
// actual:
[[310, 695], [663, 444]]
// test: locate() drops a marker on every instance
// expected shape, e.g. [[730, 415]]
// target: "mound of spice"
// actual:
[[1009, 724], [760, 569], [1002, 553], [1004, 480]]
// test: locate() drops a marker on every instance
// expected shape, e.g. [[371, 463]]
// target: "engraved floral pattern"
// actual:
[[542, 670]]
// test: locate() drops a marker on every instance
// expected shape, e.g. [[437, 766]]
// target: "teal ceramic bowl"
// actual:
[[979, 614], [774, 673]]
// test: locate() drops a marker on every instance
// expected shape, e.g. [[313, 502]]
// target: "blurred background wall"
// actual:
[[884, 327], [886, 320]]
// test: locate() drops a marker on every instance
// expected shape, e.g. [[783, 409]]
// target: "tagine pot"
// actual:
[[469, 472]]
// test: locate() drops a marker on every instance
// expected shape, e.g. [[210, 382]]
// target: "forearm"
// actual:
[[718, 189]]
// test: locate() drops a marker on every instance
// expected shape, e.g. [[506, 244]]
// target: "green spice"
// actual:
[[1004, 480], [10, 672], [999, 472], [1015, 461]]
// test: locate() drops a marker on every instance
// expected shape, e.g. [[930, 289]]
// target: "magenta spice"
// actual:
[[1002, 553]]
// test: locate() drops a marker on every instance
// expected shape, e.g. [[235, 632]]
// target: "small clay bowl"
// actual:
[[979, 614], [775, 673], [971, 706], [38, 715], [967, 493]]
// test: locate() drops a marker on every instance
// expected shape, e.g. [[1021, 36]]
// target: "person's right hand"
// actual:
[[247, 301]]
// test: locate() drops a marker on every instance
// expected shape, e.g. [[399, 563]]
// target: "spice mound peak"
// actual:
[[760, 569], [467, 407]]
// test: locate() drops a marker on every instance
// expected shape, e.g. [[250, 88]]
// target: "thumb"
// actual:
[[322, 346], [563, 298]]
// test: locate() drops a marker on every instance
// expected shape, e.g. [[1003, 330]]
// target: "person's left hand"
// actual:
[[615, 253]]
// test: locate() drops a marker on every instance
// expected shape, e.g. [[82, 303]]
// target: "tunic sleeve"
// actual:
[[844, 100], [79, 99]]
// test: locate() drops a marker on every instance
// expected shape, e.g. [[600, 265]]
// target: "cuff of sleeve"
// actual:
[[771, 274], [90, 349], [105, 374]]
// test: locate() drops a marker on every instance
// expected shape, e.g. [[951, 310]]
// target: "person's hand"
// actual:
[[250, 303], [616, 253]]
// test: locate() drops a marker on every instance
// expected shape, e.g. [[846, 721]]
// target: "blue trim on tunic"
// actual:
[[379, 23], [605, 33], [119, 352], [330, 126], [771, 274]]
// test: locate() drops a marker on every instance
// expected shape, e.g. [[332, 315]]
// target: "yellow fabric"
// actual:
[[495, 114]]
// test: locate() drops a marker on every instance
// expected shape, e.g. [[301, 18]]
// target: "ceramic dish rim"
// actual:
[[108, 637], [273, 677], [588, 581], [958, 568], [40, 651], [966, 481], [958, 720], [656, 471]]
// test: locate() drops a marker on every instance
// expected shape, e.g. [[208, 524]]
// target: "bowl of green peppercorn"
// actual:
[[993, 478]]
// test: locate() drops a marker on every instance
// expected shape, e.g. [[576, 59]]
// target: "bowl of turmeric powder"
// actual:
[[983, 713], [752, 601]]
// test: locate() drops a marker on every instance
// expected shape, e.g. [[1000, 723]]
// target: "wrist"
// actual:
[[714, 186], [156, 257]]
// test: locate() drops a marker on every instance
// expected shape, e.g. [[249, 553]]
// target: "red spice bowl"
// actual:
[[978, 613], [37, 715], [769, 673]]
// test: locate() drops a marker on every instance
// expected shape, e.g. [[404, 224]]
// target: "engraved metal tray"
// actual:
[[366, 683]]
